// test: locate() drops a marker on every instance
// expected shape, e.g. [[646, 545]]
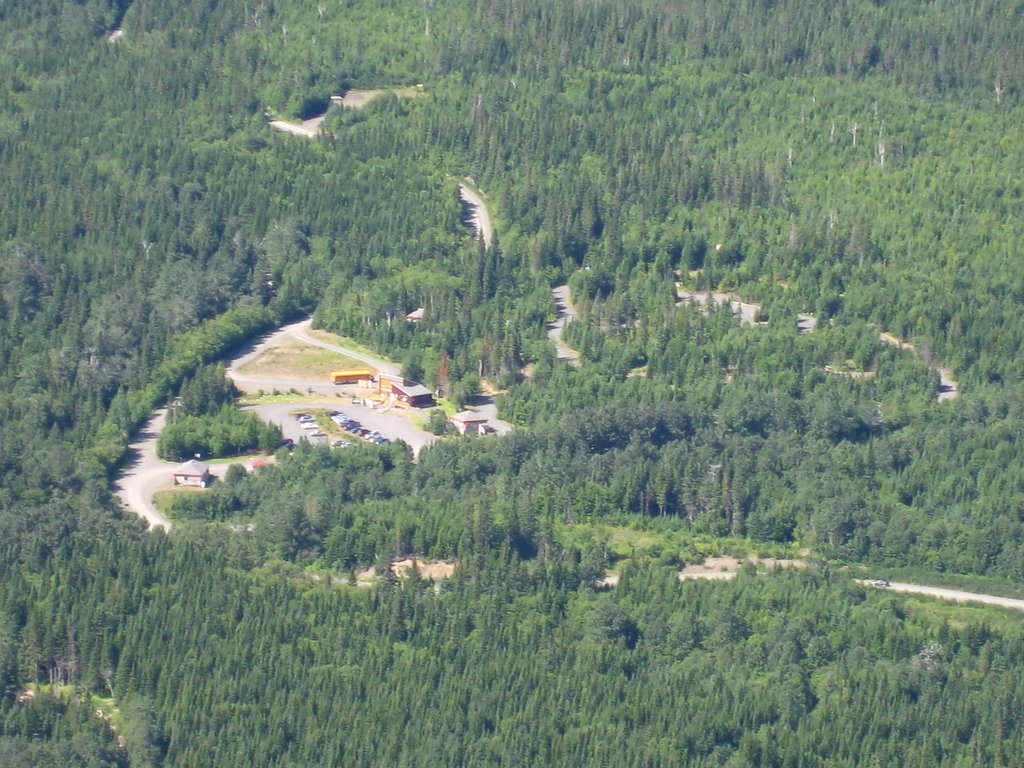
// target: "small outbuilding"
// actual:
[[415, 316], [468, 422], [193, 473]]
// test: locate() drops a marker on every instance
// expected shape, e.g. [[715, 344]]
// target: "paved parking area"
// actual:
[[394, 424]]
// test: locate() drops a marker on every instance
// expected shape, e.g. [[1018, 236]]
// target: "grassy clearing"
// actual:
[[164, 500], [670, 542], [104, 706], [343, 341], [962, 615], [290, 361]]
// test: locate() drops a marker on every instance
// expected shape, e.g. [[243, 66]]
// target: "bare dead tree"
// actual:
[[853, 130]]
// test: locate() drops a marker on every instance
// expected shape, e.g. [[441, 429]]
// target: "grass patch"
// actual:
[[103, 705], [164, 500], [299, 361], [344, 341], [962, 615], [667, 541]]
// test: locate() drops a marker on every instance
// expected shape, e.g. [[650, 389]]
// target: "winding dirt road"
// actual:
[[564, 311], [478, 215], [954, 595]]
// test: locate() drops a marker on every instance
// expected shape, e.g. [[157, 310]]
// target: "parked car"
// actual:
[[339, 443], [309, 425]]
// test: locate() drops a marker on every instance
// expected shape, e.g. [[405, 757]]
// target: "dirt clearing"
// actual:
[[357, 99], [726, 567], [431, 570]]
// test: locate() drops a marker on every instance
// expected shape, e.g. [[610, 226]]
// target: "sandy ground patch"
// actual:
[[727, 567], [431, 570], [717, 568], [308, 128]]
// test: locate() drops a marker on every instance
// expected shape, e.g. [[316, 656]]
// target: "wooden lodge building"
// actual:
[[411, 394]]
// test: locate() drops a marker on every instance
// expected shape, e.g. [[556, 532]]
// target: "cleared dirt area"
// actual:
[[357, 99], [298, 361], [718, 568], [726, 567], [431, 570], [746, 311], [428, 569], [308, 128]]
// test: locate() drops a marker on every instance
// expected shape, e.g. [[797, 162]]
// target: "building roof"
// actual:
[[193, 468], [468, 417], [413, 390], [415, 316]]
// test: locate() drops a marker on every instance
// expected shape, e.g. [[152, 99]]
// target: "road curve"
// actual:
[[143, 473], [298, 332]]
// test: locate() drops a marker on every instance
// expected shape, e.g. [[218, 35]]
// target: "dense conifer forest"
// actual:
[[857, 162]]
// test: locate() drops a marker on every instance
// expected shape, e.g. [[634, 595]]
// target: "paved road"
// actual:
[[478, 214], [564, 311], [144, 473]]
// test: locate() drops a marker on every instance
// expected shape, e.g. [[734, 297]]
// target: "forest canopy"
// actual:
[[852, 162]]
